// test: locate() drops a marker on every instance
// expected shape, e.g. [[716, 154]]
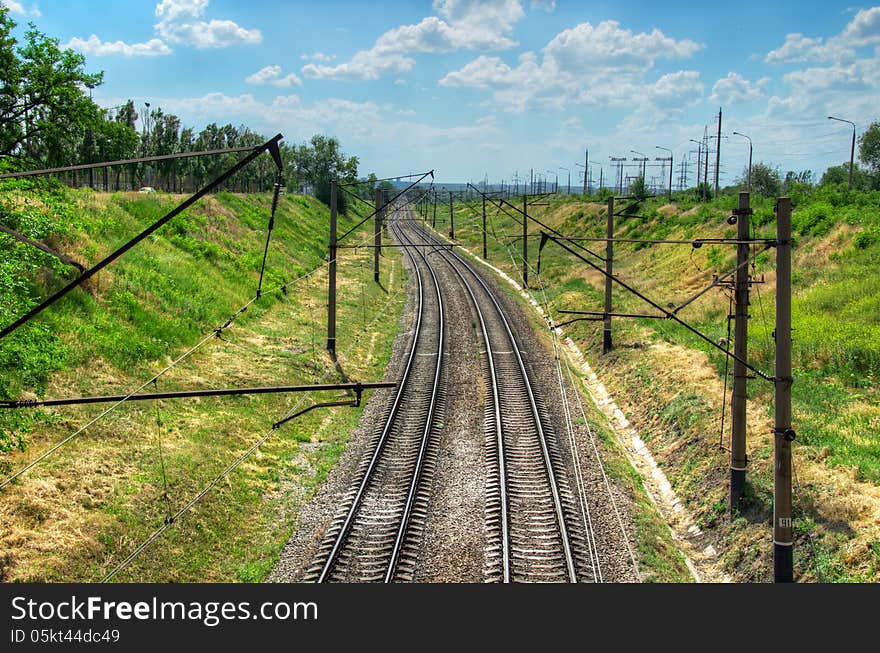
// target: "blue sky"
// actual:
[[494, 87]]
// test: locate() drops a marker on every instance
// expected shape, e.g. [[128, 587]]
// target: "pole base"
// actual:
[[737, 485], [331, 346], [606, 341], [783, 564]]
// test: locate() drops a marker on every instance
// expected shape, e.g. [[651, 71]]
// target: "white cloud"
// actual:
[[798, 47], [95, 46], [400, 82], [547, 5], [735, 88], [317, 56], [272, 75], [862, 30], [179, 22], [461, 24], [19, 9], [583, 65]]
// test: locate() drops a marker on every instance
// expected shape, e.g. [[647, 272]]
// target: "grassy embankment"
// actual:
[[671, 383], [79, 513]]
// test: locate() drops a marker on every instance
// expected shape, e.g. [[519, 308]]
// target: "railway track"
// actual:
[[374, 536], [533, 533]]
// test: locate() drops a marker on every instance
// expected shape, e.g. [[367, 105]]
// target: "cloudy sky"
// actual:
[[494, 87]]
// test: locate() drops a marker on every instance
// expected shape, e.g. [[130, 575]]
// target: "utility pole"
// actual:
[[586, 168], [609, 271], [783, 543], [718, 152], [699, 160], [670, 166], [485, 253], [706, 167], [525, 239], [619, 161], [451, 218], [331, 275], [738, 458], [377, 234], [434, 218]]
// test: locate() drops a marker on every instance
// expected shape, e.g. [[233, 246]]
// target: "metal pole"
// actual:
[[783, 543], [852, 151], [738, 458], [609, 271], [434, 219], [586, 168], [451, 219], [377, 235], [525, 243], [331, 293], [718, 152], [485, 257]]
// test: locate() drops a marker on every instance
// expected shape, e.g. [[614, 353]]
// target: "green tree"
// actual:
[[869, 147], [840, 175], [766, 180], [44, 110], [638, 188], [319, 162]]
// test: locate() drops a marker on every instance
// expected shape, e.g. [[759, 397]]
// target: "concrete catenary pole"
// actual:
[[485, 253], [738, 459], [525, 241], [377, 234], [451, 218], [331, 275], [718, 152], [609, 271], [783, 542]]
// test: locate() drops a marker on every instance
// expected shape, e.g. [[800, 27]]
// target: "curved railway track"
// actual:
[[374, 536], [532, 528], [531, 524]]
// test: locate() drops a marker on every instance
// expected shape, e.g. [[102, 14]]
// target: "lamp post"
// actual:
[[556, 186], [749, 182], [643, 159], [568, 170], [670, 167], [852, 150]]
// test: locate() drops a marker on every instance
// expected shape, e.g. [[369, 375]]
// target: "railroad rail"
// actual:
[[374, 536], [533, 534]]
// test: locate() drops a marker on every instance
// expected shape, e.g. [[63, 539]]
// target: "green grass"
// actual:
[[104, 492]]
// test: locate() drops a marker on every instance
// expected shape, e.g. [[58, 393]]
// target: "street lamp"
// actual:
[[699, 158], [852, 149], [568, 192], [750, 159], [644, 158], [670, 167], [554, 172]]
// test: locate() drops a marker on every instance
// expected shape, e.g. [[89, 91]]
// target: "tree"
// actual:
[[638, 188], [869, 147], [319, 162], [766, 180], [44, 110], [840, 175]]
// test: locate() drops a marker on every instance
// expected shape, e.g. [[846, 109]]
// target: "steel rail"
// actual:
[[552, 482], [423, 446], [342, 536]]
